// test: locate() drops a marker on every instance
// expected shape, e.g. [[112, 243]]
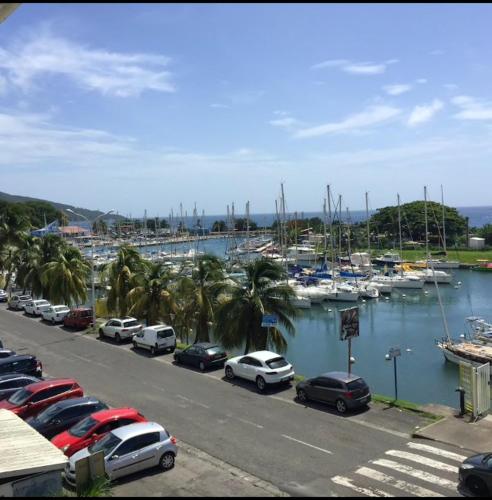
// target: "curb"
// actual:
[[415, 434]]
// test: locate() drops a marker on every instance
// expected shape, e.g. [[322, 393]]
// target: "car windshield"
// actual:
[[25, 297], [45, 416], [162, 334], [133, 322], [61, 308], [83, 427], [356, 384], [20, 397], [276, 362], [42, 303], [214, 350], [107, 444]]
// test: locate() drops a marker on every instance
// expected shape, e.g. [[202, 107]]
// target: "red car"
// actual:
[[33, 398], [94, 427], [78, 318]]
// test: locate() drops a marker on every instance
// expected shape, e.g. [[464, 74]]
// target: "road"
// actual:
[[304, 450]]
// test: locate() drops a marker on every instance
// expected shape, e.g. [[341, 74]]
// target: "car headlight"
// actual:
[[467, 466], [65, 448]]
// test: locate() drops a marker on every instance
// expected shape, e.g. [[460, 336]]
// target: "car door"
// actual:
[[47, 397], [244, 368], [188, 355], [316, 389], [332, 390], [122, 461], [109, 329]]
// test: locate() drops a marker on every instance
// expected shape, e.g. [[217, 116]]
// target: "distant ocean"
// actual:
[[478, 217]]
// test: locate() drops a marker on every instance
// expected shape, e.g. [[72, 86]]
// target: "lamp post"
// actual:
[[393, 353], [92, 260]]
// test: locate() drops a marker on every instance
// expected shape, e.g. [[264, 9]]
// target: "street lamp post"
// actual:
[[393, 353], [92, 260]]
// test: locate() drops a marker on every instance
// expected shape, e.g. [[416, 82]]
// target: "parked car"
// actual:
[[130, 449], [262, 367], [63, 415], [5, 353], [3, 295], [78, 318], [21, 363], [17, 302], [95, 427], [344, 390], [203, 355], [12, 382], [120, 328], [34, 398], [1, 344], [475, 473], [36, 307], [55, 314], [156, 338]]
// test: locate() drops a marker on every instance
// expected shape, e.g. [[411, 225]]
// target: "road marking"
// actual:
[[437, 451], [370, 492], [184, 398], [307, 444], [418, 474], [397, 483], [422, 460], [258, 426], [87, 360], [378, 428]]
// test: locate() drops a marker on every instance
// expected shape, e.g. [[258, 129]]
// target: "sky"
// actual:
[[137, 107]]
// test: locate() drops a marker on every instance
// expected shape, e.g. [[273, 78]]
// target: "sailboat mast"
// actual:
[[443, 223], [368, 234], [348, 231], [285, 225], [331, 236], [247, 229], [426, 230], [339, 226], [324, 227], [399, 231]]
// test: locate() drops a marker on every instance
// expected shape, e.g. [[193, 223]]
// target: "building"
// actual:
[[476, 243], [73, 231], [30, 465]]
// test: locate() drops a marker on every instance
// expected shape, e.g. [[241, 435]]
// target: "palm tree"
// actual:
[[204, 288], [28, 254], [239, 317], [65, 277], [119, 276], [184, 312], [150, 298]]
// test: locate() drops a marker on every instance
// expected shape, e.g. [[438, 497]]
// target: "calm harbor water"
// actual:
[[409, 319]]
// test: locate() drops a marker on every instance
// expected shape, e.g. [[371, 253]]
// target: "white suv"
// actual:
[[17, 301], [261, 367], [120, 328], [55, 314], [36, 307], [156, 338]]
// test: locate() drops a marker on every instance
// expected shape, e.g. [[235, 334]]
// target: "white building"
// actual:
[[476, 243]]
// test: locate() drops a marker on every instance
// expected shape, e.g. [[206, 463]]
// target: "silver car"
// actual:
[[130, 449]]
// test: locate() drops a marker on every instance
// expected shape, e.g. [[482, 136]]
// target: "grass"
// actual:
[[405, 405], [464, 256]]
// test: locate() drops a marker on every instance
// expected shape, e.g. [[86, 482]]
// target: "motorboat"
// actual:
[[389, 259]]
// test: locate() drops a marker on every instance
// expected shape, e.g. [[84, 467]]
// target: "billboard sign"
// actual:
[[349, 323]]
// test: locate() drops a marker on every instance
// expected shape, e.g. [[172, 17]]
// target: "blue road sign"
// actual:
[[269, 320]]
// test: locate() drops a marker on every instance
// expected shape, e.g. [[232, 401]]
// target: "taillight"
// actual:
[[173, 440], [124, 330], [349, 395], [271, 373], [39, 365]]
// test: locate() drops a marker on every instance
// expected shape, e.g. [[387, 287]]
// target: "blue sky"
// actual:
[[144, 106]]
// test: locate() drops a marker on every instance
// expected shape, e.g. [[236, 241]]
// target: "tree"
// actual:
[[151, 297], [219, 226], [242, 225], [65, 277], [119, 277], [239, 317], [486, 232]]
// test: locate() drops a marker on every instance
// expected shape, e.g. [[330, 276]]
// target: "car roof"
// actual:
[[60, 305], [103, 415], [35, 301], [264, 355], [67, 403], [158, 327], [54, 382], [131, 430], [342, 376], [206, 345], [17, 357], [77, 309], [10, 376], [125, 318]]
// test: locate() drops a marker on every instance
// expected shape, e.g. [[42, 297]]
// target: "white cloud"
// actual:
[[288, 122], [451, 86], [219, 105], [472, 109], [397, 88], [421, 80], [371, 116], [424, 113], [355, 68], [3, 85], [110, 73]]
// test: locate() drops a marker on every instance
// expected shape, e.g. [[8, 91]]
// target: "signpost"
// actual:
[[393, 353], [268, 321], [349, 327]]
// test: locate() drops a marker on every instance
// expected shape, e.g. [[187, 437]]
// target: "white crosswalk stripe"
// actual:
[[398, 474], [397, 483]]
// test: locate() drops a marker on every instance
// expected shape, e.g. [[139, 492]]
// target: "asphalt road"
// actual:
[[298, 448]]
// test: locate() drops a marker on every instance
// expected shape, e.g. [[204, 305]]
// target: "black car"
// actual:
[[21, 363], [345, 391], [12, 382], [62, 415], [203, 355], [5, 353], [475, 474]]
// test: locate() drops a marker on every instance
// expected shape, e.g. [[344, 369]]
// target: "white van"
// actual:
[[156, 338]]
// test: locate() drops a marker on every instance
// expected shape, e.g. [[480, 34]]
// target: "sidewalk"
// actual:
[[458, 431]]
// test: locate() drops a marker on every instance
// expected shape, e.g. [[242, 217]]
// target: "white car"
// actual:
[[3, 295], [36, 307], [156, 338], [120, 328], [55, 314], [261, 367], [17, 301]]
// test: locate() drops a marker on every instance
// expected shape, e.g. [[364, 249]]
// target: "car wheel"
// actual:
[[117, 338], [153, 350], [101, 333], [341, 406], [229, 373], [135, 345], [201, 366], [260, 384], [167, 461], [302, 396], [176, 358], [52, 321], [477, 486]]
